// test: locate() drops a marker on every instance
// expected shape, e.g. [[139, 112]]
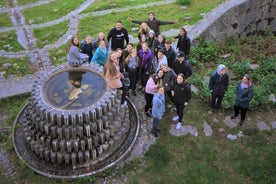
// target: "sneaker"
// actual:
[[170, 105], [175, 118], [124, 104], [241, 123], [178, 126], [154, 134], [233, 117]]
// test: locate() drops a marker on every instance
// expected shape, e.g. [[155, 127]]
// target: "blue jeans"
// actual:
[[155, 124]]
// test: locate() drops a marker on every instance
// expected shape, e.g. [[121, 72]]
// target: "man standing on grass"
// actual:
[[181, 65], [153, 23], [118, 36]]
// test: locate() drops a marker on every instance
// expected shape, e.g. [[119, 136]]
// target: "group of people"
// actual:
[[161, 70], [218, 86]]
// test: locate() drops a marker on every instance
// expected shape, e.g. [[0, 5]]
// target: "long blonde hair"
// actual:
[[110, 66], [129, 56]]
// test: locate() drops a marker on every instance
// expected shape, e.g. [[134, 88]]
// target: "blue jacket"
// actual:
[[100, 56], [243, 96], [158, 105]]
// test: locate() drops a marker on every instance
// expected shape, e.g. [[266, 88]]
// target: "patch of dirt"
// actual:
[[253, 49]]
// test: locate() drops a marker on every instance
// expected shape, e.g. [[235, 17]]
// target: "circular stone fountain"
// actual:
[[73, 125]]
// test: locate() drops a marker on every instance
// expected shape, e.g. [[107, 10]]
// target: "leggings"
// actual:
[[180, 111], [148, 98], [237, 109]]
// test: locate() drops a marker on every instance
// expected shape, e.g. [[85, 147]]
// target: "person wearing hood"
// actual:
[[158, 109], [218, 85], [181, 93], [153, 23], [244, 94]]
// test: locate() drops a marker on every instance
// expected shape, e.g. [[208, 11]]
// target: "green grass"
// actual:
[[49, 35], [8, 42], [50, 11], [58, 55], [99, 5], [20, 66], [162, 12], [23, 2], [5, 20], [215, 159]]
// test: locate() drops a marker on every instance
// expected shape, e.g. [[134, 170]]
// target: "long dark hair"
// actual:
[[71, 42]]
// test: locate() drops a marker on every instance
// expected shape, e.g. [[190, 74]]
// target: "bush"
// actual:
[[184, 2], [205, 51]]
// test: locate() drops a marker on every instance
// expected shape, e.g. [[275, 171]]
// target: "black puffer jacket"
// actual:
[[218, 84], [182, 93]]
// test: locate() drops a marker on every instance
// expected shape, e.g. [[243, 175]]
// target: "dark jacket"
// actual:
[[168, 78], [170, 54], [183, 67], [118, 38], [218, 84], [87, 48], [184, 44], [243, 96], [182, 93], [154, 24]]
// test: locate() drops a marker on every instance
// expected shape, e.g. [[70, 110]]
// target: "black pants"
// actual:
[[133, 78], [144, 76], [169, 94], [180, 111], [237, 111], [216, 100], [148, 98], [123, 97]]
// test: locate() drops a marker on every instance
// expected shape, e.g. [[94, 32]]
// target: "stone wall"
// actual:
[[237, 17]]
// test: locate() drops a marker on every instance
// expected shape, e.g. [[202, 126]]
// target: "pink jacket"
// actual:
[[150, 86], [113, 82]]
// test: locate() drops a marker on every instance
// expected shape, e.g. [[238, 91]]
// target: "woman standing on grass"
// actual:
[[74, 55], [143, 30], [131, 66], [158, 109], [181, 93], [183, 43], [113, 75], [145, 59], [154, 81], [244, 94]]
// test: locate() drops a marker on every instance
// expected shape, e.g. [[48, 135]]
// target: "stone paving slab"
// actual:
[[273, 124], [230, 122], [185, 129], [263, 126], [16, 86], [207, 129]]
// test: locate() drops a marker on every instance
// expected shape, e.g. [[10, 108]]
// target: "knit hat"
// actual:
[[151, 31]]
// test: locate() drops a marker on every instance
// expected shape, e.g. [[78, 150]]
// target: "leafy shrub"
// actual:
[[240, 68], [184, 2], [229, 98], [205, 51]]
